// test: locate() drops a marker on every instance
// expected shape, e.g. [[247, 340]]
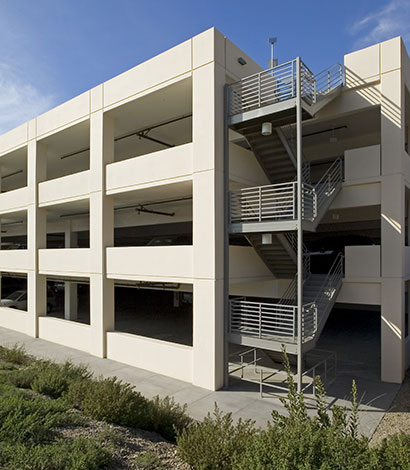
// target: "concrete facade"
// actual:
[[77, 173]]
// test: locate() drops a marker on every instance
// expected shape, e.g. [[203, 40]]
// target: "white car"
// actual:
[[18, 299]]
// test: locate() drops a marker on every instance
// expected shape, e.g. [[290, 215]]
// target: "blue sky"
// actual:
[[52, 50]]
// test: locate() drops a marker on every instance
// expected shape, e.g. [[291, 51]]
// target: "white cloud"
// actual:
[[389, 21], [20, 101]]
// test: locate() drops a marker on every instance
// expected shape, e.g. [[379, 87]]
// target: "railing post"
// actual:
[[259, 90], [260, 204], [314, 91], [260, 321], [230, 207]]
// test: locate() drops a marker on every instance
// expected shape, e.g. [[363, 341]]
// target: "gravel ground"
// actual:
[[397, 417], [128, 443]]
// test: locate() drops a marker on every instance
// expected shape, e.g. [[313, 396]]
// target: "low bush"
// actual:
[[29, 419], [15, 355], [214, 443], [167, 417], [79, 454], [115, 402], [394, 452], [47, 377], [54, 379], [147, 461], [293, 441], [109, 400]]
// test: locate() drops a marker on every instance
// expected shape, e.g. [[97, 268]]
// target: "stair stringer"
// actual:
[[277, 268], [324, 100], [311, 226], [323, 317]]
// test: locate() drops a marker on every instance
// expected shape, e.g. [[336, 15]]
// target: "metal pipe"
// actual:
[[299, 221], [140, 133], [12, 174]]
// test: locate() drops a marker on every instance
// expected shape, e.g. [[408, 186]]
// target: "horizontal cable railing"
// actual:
[[264, 88], [262, 320], [307, 84], [271, 202], [329, 79], [278, 84], [271, 321]]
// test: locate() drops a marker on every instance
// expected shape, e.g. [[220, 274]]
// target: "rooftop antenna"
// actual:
[[272, 62]]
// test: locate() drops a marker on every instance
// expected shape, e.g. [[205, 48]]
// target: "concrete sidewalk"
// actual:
[[242, 399]]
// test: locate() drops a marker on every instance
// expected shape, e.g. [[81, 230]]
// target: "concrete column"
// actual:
[[36, 234], [208, 226], [70, 288], [392, 227], [101, 231]]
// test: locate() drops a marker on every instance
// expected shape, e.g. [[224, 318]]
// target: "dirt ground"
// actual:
[[397, 417]]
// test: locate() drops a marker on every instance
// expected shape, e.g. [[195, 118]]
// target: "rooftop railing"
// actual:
[[278, 84]]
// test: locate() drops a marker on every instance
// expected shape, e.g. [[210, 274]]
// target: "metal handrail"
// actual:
[[328, 183], [329, 288], [292, 238], [328, 79]]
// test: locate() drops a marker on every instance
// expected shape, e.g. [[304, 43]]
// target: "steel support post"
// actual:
[[226, 237], [299, 220]]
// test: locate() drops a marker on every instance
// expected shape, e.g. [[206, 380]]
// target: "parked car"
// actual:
[[168, 240], [17, 299]]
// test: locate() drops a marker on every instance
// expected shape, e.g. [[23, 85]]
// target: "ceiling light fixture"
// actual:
[[266, 128]]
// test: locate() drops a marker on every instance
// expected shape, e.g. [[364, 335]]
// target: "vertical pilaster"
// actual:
[[70, 288], [101, 231], [36, 233], [392, 227], [208, 226]]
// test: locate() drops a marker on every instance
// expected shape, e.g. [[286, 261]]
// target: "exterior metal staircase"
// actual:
[[269, 326], [278, 256], [273, 95], [275, 159], [274, 207]]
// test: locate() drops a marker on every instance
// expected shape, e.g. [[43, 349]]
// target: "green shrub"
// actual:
[[394, 452], [167, 417], [79, 454], [30, 419], [22, 378], [147, 461], [54, 379], [47, 377], [110, 400], [15, 355], [214, 443], [298, 441]]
